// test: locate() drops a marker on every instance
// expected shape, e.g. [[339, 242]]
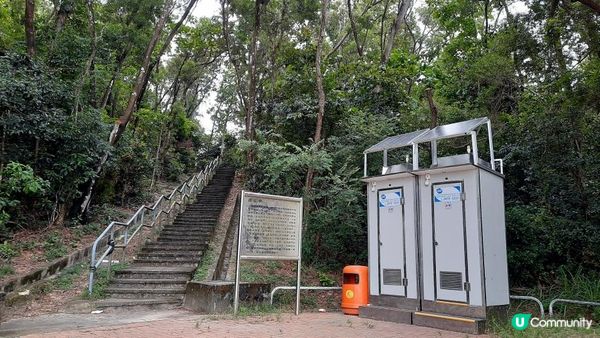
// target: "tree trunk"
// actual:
[[30, 27], [90, 61], [432, 107], [142, 77], [64, 9], [348, 31], [403, 7], [156, 158], [382, 27], [141, 80], [240, 90], [166, 46], [353, 26], [249, 134], [119, 64], [321, 92]]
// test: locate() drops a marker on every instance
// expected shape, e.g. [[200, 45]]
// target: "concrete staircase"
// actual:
[[160, 271]]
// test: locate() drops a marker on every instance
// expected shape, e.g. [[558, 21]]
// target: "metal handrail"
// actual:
[[163, 205], [572, 301], [535, 300]]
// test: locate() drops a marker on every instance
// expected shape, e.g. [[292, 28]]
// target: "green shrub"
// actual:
[[18, 183], [325, 279], [8, 252]]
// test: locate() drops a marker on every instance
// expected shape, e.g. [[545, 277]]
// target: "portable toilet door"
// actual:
[[392, 241], [449, 246]]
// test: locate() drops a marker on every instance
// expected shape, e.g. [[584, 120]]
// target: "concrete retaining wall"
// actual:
[[217, 296]]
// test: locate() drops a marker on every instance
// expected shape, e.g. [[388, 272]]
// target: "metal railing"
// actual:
[[318, 288], [571, 301], [539, 303], [163, 206]]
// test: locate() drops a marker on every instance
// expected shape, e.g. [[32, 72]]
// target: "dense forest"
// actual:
[[100, 98]]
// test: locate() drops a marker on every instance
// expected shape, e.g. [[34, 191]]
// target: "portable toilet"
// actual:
[[392, 235], [437, 243], [462, 231]]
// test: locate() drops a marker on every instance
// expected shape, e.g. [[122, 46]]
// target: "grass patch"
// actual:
[[64, 281], [205, 263], [54, 247], [86, 229], [6, 270], [27, 245], [575, 285], [258, 309], [101, 281]]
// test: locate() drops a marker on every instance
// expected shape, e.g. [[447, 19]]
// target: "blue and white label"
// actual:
[[390, 199], [447, 194]]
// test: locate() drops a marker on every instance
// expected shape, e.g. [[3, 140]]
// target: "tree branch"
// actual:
[[591, 4]]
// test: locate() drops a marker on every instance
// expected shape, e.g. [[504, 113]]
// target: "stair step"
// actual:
[[196, 218], [179, 242], [145, 293], [160, 261], [387, 314], [169, 254], [449, 322], [139, 272], [147, 283], [146, 302], [189, 228], [186, 232], [171, 251], [184, 238], [189, 236], [194, 234], [193, 224], [151, 280], [164, 246]]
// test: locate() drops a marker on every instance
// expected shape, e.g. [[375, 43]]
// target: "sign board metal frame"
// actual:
[[281, 253]]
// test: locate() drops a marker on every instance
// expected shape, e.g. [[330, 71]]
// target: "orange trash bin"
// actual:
[[355, 288]]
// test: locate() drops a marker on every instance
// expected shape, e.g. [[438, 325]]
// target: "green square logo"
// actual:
[[520, 321]]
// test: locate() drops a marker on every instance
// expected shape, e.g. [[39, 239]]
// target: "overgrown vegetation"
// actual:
[[65, 85], [54, 247], [201, 273]]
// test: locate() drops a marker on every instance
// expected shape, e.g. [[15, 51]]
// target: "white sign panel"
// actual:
[[271, 226]]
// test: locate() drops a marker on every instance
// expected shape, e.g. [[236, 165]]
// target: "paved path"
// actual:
[[181, 323]]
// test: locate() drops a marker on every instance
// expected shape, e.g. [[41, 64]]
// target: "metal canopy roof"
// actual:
[[397, 141], [451, 130]]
